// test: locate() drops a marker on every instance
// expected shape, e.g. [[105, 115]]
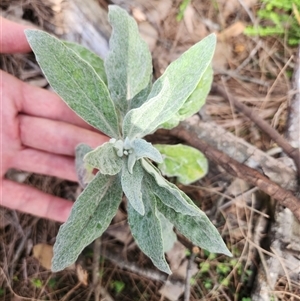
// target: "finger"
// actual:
[[30, 200], [40, 162], [55, 136], [36, 101], [12, 37]]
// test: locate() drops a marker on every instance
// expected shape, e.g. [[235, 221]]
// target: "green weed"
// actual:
[[37, 283], [213, 272], [183, 5], [278, 18], [2, 291], [117, 286]]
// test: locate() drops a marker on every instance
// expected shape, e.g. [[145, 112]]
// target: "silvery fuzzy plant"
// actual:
[[118, 98]]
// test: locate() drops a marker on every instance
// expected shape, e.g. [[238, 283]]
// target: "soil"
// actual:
[[257, 71]]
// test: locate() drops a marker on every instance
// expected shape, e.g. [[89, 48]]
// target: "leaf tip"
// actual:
[[140, 210], [164, 268], [212, 36], [55, 267], [221, 249], [29, 33], [168, 271], [227, 253]]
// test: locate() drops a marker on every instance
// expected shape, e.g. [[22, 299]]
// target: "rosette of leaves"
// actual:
[[117, 97]]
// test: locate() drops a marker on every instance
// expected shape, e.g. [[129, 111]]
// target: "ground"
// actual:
[[257, 71]]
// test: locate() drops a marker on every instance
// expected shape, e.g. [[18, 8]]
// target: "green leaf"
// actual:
[[169, 236], [143, 149], [90, 217], [75, 81], [132, 185], [183, 5], [129, 63], [90, 57], [84, 171], [170, 194], [171, 90], [137, 122], [182, 161], [141, 97], [105, 159], [195, 101], [197, 229], [147, 230]]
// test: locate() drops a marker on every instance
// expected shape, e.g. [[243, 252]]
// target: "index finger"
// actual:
[[12, 37]]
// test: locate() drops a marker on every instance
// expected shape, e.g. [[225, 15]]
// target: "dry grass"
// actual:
[[255, 71]]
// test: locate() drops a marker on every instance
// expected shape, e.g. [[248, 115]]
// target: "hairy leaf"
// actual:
[[182, 161], [197, 229], [75, 81], [137, 149], [171, 90], [129, 63], [169, 193], [84, 171], [105, 159], [90, 216], [142, 149], [132, 186], [195, 101], [169, 236], [147, 231], [90, 57], [141, 97], [131, 161], [137, 122]]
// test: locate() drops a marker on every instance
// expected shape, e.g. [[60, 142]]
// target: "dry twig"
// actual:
[[292, 152], [98, 288], [244, 152], [187, 290], [150, 274], [187, 133]]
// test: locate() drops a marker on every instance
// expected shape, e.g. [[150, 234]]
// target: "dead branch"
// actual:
[[291, 151], [86, 22], [285, 230], [244, 152], [187, 290], [95, 271], [132, 267], [98, 289], [293, 122], [187, 133]]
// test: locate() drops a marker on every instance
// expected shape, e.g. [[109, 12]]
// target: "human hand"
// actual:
[[39, 133]]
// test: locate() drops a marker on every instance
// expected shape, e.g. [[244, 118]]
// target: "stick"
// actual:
[[243, 152], [292, 152], [187, 133], [98, 288], [187, 290], [151, 274]]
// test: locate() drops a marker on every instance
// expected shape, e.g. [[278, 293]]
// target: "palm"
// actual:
[[38, 134]]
